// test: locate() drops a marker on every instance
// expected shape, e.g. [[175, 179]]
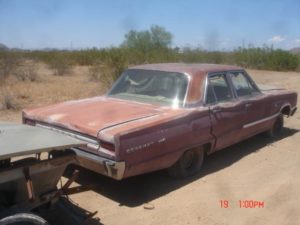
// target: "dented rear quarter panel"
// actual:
[[160, 144], [278, 98]]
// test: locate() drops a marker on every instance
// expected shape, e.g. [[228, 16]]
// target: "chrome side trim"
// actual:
[[261, 120]]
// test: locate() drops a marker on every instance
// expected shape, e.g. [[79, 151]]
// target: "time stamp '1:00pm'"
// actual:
[[248, 204]]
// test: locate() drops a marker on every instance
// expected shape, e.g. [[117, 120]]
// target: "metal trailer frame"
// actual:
[[32, 161]]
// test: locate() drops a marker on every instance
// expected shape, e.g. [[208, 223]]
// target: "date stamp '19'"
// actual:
[[247, 204]]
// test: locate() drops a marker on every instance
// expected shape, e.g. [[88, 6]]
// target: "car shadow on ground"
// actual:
[[139, 190], [66, 212]]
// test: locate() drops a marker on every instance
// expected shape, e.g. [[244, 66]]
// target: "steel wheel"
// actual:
[[189, 164], [276, 129]]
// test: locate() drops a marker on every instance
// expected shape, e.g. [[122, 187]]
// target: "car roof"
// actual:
[[190, 68]]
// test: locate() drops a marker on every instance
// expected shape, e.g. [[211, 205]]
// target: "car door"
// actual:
[[256, 103], [226, 113]]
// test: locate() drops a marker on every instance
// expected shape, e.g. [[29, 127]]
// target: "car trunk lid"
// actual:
[[89, 116]]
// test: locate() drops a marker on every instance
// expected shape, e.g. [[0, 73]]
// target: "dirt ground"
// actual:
[[259, 170]]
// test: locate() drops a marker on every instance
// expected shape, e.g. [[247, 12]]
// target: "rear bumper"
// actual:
[[100, 164]]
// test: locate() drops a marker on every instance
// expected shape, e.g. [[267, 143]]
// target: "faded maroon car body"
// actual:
[[127, 138]]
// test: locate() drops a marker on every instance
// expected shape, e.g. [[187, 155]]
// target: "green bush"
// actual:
[[266, 58], [117, 59]]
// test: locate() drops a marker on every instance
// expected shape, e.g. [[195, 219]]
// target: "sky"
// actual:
[[207, 24]]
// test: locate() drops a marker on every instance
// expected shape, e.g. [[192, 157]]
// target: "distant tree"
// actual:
[[148, 45], [160, 37], [138, 39], [156, 37]]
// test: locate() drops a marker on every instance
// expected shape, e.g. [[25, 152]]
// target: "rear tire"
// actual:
[[276, 129], [23, 219], [189, 164]]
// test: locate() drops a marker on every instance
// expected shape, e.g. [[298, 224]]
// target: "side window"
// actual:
[[218, 89], [242, 85]]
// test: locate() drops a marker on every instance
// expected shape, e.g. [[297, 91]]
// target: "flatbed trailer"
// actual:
[[32, 161]]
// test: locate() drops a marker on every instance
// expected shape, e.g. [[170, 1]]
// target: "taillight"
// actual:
[[107, 145]]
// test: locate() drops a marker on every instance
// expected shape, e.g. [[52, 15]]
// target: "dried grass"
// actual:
[[50, 89]]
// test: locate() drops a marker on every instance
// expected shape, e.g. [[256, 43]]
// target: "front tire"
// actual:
[[189, 164], [276, 129], [23, 219]]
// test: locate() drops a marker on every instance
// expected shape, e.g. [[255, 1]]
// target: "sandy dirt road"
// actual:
[[259, 169]]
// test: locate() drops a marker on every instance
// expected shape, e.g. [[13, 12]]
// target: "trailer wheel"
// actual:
[[188, 165], [23, 219]]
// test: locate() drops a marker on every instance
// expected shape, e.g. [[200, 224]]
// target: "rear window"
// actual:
[[158, 87]]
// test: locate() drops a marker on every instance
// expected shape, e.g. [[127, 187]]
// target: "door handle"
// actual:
[[247, 105], [216, 110]]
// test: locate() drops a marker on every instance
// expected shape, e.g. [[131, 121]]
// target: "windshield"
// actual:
[[150, 86]]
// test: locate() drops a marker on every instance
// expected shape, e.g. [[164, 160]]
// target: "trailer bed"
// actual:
[[19, 140]]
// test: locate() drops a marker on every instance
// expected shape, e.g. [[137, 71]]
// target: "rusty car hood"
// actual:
[[89, 116]]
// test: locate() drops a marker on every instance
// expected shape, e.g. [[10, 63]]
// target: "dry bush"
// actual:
[[26, 72], [8, 101], [298, 67], [3, 72], [60, 66], [7, 65], [102, 73]]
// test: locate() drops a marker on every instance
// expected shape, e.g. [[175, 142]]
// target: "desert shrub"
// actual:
[[8, 63], [60, 65], [119, 58], [298, 67], [8, 101], [116, 60], [109, 66], [266, 58], [102, 73], [144, 51], [26, 72], [281, 60]]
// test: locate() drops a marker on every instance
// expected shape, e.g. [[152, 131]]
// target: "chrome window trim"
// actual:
[[187, 89], [205, 89]]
